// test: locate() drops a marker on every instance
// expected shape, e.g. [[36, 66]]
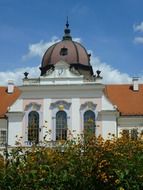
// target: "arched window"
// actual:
[[61, 125], [33, 127], [89, 121]]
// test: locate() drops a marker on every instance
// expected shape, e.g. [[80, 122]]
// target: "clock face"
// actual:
[[60, 71]]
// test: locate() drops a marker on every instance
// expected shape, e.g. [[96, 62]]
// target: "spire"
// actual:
[[67, 24], [67, 35]]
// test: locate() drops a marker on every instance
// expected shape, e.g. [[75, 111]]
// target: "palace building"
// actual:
[[67, 99]]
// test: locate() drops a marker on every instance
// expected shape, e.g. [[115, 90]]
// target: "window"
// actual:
[[3, 137], [61, 125], [89, 121], [132, 134], [33, 127], [63, 51]]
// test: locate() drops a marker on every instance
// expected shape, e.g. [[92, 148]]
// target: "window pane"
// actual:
[[61, 125], [2, 137], [33, 127], [89, 121]]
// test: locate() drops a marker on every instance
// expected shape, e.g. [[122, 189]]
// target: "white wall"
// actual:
[[17, 106], [75, 117], [109, 125], [106, 104], [14, 128], [47, 120]]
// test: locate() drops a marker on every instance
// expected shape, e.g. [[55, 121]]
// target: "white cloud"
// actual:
[[138, 40], [79, 40], [17, 75], [109, 74], [38, 49], [138, 27]]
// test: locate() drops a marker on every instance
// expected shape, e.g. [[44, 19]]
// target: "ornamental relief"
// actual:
[[61, 105], [33, 106], [88, 105]]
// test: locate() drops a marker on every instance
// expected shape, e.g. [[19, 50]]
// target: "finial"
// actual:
[[98, 74], [67, 24], [67, 35], [26, 75]]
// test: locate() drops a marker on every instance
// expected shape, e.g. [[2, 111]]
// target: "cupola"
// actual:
[[69, 51]]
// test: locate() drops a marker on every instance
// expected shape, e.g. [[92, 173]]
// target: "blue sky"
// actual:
[[112, 30]]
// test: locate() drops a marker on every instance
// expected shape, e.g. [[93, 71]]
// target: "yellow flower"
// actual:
[[121, 188], [117, 181]]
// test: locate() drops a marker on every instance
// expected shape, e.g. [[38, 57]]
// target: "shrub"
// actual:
[[84, 165]]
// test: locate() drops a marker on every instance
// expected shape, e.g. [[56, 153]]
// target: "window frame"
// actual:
[[34, 129], [128, 133], [32, 106], [88, 105], [88, 128], [60, 105], [61, 131], [3, 143]]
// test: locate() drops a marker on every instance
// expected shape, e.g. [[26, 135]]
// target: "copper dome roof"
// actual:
[[67, 50]]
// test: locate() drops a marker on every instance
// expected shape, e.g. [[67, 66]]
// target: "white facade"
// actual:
[[74, 96], [48, 95]]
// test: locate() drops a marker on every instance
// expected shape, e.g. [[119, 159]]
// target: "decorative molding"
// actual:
[[33, 106], [88, 105], [61, 105], [49, 72], [74, 71]]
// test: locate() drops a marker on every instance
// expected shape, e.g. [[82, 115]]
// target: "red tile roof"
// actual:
[[6, 99], [128, 102]]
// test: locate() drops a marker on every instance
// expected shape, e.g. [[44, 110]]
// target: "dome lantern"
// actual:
[[67, 35]]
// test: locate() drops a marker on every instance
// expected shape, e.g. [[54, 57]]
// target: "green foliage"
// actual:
[[91, 164]]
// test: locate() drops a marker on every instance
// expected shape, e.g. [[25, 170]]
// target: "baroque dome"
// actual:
[[69, 51]]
